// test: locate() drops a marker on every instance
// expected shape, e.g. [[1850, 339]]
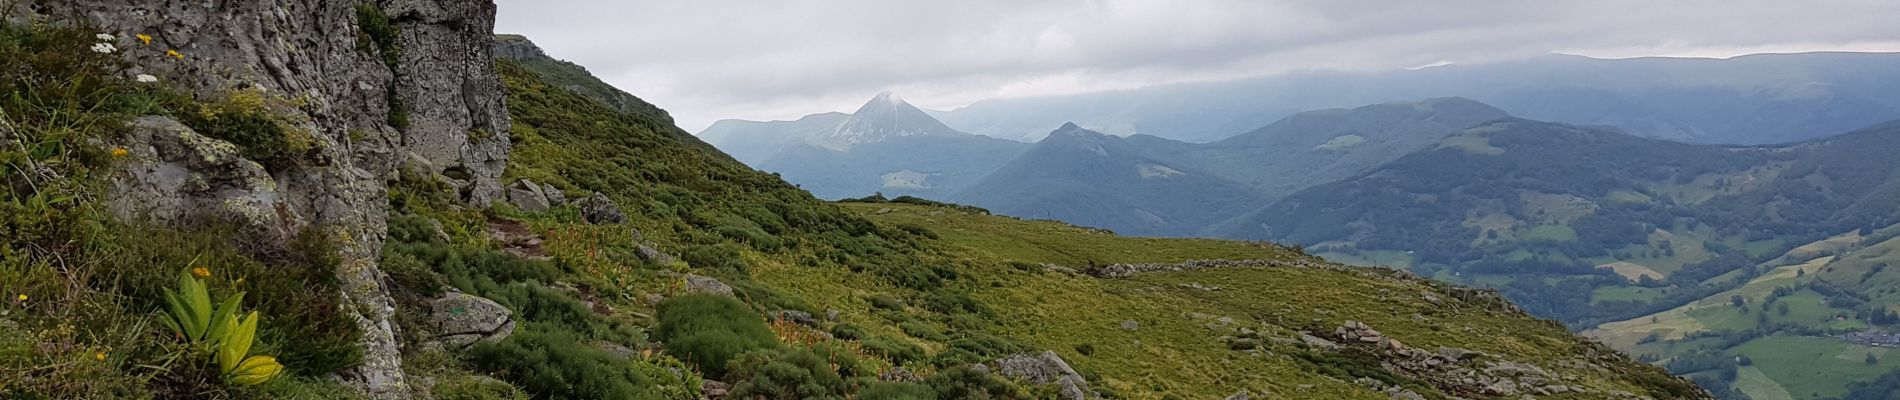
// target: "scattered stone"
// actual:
[[899, 374], [653, 255], [554, 195], [831, 314], [1240, 395], [701, 284], [796, 317], [600, 210], [1315, 341], [712, 389], [1044, 369], [460, 320], [654, 299], [1129, 325]]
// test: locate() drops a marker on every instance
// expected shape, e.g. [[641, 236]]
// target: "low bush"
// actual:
[[550, 362], [898, 351], [897, 391], [962, 382], [718, 257], [816, 372], [709, 331]]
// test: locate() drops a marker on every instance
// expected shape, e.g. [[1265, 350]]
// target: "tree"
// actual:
[[1782, 309], [1737, 300], [1871, 360]]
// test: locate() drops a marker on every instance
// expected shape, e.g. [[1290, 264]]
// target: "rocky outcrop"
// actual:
[[1045, 368], [600, 210], [175, 176], [459, 320], [437, 99]]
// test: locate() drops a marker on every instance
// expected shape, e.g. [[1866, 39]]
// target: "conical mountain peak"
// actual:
[[882, 118]]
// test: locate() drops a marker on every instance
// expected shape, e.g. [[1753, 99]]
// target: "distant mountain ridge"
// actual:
[[885, 146], [1092, 179], [1154, 186], [1754, 99]]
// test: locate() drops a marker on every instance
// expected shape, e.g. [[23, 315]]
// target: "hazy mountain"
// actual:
[[1088, 178], [886, 146], [1756, 99], [754, 141], [1321, 146]]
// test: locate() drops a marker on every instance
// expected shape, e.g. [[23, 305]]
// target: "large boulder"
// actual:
[[527, 196], [459, 320], [600, 210], [177, 177], [1045, 368]]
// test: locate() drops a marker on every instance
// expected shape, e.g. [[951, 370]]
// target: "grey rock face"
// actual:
[[455, 111], [459, 320], [176, 177], [527, 196], [600, 210], [1241, 395], [1044, 369], [554, 195], [309, 50]]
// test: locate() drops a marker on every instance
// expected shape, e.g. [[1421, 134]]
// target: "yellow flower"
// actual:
[[101, 356], [22, 297], [147, 39], [174, 54], [201, 272], [119, 152]]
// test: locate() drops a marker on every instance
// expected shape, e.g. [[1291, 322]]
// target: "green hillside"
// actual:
[[666, 271]]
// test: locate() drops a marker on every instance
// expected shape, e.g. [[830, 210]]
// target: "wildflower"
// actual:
[[147, 78], [22, 297], [104, 48], [174, 54], [144, 38], [101, 356], [119, 152], [106, 37], [201, 272]]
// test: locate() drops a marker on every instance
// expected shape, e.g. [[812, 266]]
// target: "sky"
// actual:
[[706, 60]]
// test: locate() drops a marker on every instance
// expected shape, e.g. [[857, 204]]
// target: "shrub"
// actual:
[[898, 351], [709, 331], [816, 372], [553, 363], [950, 302], [921, 330], [719, 257], [918, 230], [847, 332], [885, 302], [897, 391], [961, 382], [1087, 349], [258, 123]]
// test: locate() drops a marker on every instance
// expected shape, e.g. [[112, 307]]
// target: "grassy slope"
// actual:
[[1175, 350]]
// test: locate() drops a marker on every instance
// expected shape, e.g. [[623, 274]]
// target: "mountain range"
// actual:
[[1753, 99], [886, 146]]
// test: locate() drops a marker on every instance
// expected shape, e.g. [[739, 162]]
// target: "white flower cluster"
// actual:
[[105, 43]]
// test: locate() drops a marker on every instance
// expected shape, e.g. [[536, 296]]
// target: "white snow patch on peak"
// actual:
[[888, 97]]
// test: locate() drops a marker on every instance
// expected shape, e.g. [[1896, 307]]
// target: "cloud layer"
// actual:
[[706, 60]]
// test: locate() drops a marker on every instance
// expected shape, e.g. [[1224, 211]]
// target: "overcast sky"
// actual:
[[706, 60]]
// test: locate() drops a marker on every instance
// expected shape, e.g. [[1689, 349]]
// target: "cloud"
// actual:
[[713, 59]]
